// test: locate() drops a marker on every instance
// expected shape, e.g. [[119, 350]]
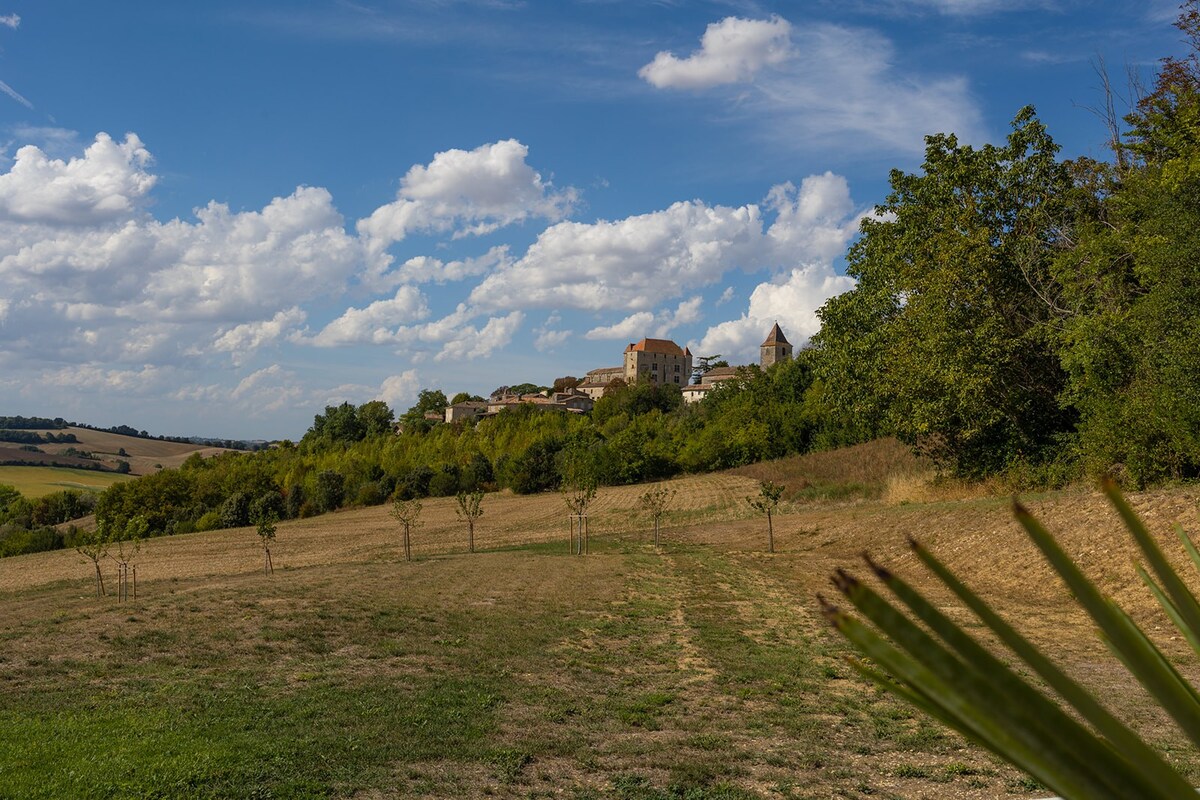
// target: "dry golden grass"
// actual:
[[861, 470], [927, 486], [684, 625], [370, 534], [144, 455]]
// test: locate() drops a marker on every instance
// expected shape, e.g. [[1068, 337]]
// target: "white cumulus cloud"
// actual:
[[829, 85], [634, 264], [399, 391], [242, 340], [470, 342], [644, 323], [792, 302], [470, 191], [425, 269], [108, 181], [378, 323], [629, 264], [731, 51]]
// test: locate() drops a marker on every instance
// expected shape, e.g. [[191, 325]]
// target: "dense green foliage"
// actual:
[[352, 457], [945, 341], [1015, 313], [32, 437], [27, 526]]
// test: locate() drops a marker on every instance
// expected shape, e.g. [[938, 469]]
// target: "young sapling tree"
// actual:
[[656, 501], [578, 488], [769, 495], [408, 514], [470, 509], [264, 524], [128, 540], [93, 545]]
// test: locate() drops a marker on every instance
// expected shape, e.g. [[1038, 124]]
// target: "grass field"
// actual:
[[144, 456], [700, 671], [38, 481]]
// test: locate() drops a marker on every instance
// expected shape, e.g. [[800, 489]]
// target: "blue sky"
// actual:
[[218, 219]]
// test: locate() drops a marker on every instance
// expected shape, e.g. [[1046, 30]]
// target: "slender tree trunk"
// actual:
[[407, 551], [656, 533], [268, 567], [583, 524], [470, 536], [99, 579], [770, 534], [135, 583]]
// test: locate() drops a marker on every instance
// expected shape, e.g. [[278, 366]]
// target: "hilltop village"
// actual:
[[657, 361]]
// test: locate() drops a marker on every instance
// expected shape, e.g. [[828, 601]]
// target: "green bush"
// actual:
[[209, 521]]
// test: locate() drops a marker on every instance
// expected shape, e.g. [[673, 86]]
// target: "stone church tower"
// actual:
[[775, 349]]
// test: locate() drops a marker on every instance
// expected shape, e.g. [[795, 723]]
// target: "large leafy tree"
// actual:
[[946, 341], [1131, 342]]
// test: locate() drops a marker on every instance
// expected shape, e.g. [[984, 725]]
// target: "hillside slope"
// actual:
[[145, 456], [524, 671]]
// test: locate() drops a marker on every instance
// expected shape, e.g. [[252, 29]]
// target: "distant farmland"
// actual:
[[38, 481], [145, 456]]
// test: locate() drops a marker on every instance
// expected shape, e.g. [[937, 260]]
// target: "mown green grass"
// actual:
[[34, 482], [629, 674]]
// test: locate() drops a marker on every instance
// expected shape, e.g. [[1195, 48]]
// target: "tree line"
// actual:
[[351, 455]]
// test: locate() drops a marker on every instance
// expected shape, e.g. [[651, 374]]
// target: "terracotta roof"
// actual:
[[665, 346], [719, 372], [775, 337]]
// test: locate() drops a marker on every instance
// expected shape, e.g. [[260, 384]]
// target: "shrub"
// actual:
[[329, 491], [235, 511], [369, 494], [209, 521], [444, 482]]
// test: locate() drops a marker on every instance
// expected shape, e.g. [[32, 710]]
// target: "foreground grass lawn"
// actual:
[[692, 673]]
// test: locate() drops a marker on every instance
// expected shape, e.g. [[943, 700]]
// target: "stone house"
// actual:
[[575, 402], [596, 380], [698, 391], [658, 361], [469, 409]]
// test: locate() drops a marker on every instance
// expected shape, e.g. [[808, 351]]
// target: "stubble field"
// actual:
[[701, 670]]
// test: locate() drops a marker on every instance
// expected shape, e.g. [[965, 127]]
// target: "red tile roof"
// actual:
[[665, 346]]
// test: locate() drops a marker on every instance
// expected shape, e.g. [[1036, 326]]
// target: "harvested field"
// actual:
[[144, 455], [701, 671]]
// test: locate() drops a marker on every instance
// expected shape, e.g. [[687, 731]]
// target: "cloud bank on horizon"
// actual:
[[478, 265]]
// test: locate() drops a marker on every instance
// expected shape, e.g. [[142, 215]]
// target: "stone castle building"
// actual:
[[658, 361]]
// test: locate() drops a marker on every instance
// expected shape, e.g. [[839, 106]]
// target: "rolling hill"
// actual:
[[702, 670], [144, 455]]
